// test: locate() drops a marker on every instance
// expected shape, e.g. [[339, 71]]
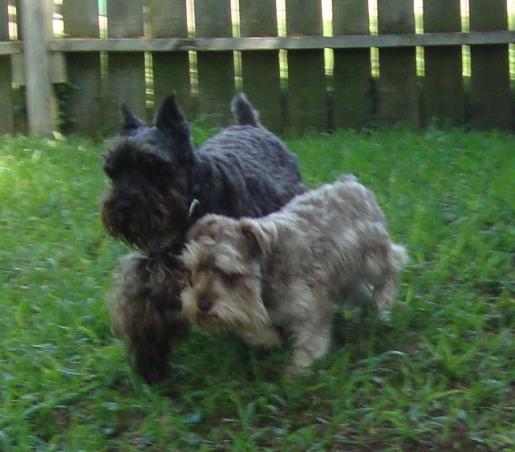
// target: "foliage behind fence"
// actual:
[[305, 64]]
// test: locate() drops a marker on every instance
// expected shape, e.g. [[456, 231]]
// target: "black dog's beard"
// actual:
[[145, 309], [148, 226]]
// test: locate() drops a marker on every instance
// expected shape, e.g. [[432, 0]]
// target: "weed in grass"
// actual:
[[440, 376]]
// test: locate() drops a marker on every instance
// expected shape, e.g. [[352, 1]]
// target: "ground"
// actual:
[[440, 376]]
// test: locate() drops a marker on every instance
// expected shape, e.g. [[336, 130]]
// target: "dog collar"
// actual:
[[173, 249], [193, 205]]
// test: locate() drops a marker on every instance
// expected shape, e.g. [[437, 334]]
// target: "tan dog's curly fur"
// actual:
[[283, 271]]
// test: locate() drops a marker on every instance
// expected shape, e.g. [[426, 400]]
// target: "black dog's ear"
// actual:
[[170, 119], [130, 121]]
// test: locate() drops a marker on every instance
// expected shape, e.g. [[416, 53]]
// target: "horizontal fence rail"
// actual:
[[305, 64], [10, 48], [278, 43]]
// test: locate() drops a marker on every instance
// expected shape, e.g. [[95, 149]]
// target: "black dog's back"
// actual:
[[249, 172]]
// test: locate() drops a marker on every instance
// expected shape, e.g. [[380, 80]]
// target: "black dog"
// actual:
[[157, 175], [160, 186]]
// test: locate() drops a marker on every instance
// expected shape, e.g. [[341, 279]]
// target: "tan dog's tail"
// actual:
[[399, 257]]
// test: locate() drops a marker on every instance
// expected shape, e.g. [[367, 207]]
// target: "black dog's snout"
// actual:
[[204, 305], [123, 205]]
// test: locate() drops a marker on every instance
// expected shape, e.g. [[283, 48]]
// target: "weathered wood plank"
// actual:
[[6, 101], [126, 71], [6, 96], [261, 80], [397, 85], [10, 48], [307, 98], [4, 20], [351, 104], [444, 100], [81, 20], [215, 70], [41, 103], [19, 21], [172, 69], [275, 43], [490, 104]]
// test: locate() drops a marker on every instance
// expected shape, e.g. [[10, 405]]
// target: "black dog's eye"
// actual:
[[154, 170], [151, 173], [107, 164]]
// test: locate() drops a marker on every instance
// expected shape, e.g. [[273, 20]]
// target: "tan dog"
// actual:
[[284, 271]]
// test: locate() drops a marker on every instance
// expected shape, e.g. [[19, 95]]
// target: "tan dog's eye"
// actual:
[[189, 278], [231, 279]]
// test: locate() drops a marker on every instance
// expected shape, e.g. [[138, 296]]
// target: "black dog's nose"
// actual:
[[123, 205], [204, 305]]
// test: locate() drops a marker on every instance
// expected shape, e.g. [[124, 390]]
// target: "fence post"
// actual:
[[37, 31]]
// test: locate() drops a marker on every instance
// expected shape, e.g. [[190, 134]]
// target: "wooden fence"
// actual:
[[305, 64]]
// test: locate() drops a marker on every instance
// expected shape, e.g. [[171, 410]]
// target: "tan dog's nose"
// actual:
[[204, 305]]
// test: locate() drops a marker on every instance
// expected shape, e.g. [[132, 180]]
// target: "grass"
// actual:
[[442, 376]]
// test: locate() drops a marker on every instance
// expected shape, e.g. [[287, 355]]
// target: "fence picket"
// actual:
[[351, 106], [19, 98], [6, 101], [397, 85], [307, 100], [490, 83], [215, 69], [261, 80], [81, 20], [171, 69], [126, 70], [443, 94]]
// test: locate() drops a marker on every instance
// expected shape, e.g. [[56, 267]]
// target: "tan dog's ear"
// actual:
[[258, 236]]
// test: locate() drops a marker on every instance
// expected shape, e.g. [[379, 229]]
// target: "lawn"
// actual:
[[440, 376]]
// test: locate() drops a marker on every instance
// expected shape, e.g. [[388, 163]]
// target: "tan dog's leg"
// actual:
[[311, 335], [267, 337]]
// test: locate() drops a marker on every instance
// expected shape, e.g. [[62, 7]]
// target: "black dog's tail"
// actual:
[[243, 111]]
